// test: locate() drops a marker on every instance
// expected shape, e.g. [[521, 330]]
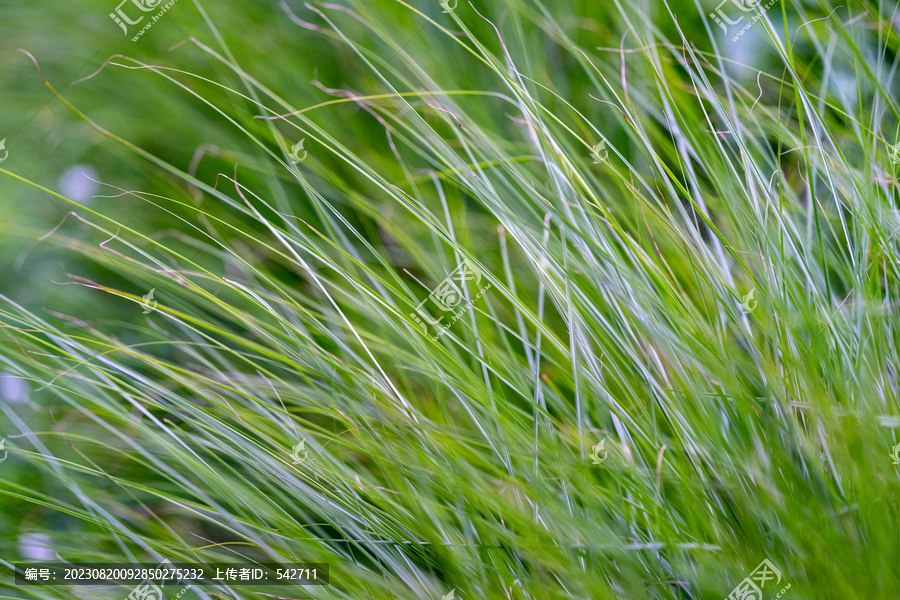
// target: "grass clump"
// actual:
[[688, 252]]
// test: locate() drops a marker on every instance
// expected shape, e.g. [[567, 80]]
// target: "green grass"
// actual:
[[614, 310]]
